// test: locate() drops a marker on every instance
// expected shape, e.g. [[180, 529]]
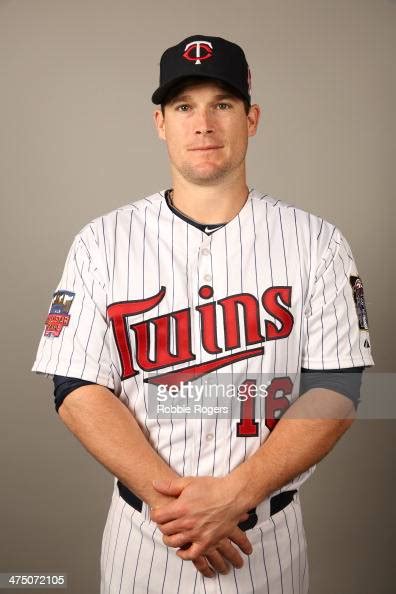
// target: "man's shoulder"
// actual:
[[289, 213], [108, 222]]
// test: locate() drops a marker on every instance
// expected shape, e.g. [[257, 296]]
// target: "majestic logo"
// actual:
[[196, 51], [58, 316], [153, 336]]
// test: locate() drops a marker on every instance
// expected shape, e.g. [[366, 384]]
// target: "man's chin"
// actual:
[[204, 177]]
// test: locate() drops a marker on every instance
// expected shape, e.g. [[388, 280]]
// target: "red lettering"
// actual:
[[274, 299], [276, 401], [118, 312], [209, 327], [250, 308], [247, 426], [162, 355]]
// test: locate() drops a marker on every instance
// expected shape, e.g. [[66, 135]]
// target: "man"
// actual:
[[168, 293]]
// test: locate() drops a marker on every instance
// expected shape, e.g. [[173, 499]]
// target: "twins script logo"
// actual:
[[152, 337], [192, 51]]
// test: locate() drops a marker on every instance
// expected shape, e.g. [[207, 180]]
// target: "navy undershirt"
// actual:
[[345, 381]]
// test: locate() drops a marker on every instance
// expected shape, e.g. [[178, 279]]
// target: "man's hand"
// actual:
[[218, 559], [206, 511]]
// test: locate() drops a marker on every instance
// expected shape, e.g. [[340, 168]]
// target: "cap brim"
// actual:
[[159, 95]]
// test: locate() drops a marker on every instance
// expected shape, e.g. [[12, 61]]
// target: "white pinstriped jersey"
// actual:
[[147, 296]]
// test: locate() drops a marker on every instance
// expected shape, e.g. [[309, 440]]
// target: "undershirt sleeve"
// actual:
[[64, 385], [346, 381]]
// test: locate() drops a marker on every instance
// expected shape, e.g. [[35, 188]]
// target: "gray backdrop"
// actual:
[[77, 140]]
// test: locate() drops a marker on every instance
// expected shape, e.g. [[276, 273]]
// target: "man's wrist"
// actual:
[[240, 485], [247, 486]]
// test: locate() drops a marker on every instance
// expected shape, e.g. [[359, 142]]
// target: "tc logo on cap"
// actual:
[[192, 51]]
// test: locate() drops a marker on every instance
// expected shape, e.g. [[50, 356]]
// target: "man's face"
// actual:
[[206, 131]]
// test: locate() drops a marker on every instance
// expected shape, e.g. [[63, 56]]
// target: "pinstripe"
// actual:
[[138, 555], [76, 329], [114, 254], [115, 513], [189, 305], [110, 522], [290, 544], [105, 250], [320, 230], [180, 574], [171, 329], [265, 565], [125, 552], [287, 281], [159, 285], [335, 313], [321, 319], [166, 567], [250, 573], [277, 551], [347, 313], [257, 292], [216, 356], [236, 581], [195, 581], [300, 579], [301, 282], [116, 543], [129, 252], [200, 358], [152, 559]]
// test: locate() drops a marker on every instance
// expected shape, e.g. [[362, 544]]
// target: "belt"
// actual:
[[277, 503]]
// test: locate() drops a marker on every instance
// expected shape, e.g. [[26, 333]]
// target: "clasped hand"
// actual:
[[202, 521]]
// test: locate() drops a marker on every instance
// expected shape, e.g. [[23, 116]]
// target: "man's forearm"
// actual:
[[109, 431], [300, 439]]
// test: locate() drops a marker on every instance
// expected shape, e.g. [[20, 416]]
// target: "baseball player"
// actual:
[[209, 283]]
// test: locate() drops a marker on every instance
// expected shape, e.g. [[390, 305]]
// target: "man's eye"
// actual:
[[224, 106], [182, 107]]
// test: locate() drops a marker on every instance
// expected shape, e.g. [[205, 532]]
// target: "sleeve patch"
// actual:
[[58, 316], [358, 297]]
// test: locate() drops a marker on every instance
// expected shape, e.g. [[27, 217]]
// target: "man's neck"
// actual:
[[209, 204]]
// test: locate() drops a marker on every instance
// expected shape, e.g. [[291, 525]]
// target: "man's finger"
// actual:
[[239, 537], [217, 561], [176, 541], [203, 567], [173, 527], [171, 487], [193, 552], [230, 553], [167, 513]]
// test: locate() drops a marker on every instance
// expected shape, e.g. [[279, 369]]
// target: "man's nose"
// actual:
[[203, 123]]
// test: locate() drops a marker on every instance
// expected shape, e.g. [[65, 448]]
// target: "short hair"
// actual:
[[196, 81]]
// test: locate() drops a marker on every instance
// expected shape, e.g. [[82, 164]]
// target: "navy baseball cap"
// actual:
[[204, 56]]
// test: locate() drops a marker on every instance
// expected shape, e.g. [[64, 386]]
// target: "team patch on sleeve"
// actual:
[[58, 316], [358, 296]]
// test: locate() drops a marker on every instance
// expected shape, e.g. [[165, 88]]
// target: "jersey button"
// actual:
[[205, 252], [209, 436], [207, 278]]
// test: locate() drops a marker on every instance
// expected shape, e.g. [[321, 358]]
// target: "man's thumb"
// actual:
[[170, 487]]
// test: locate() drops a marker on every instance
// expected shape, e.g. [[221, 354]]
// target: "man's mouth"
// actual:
[[206, 148]]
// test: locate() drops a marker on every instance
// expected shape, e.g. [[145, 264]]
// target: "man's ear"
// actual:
[[159, 121], [253, 119]]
